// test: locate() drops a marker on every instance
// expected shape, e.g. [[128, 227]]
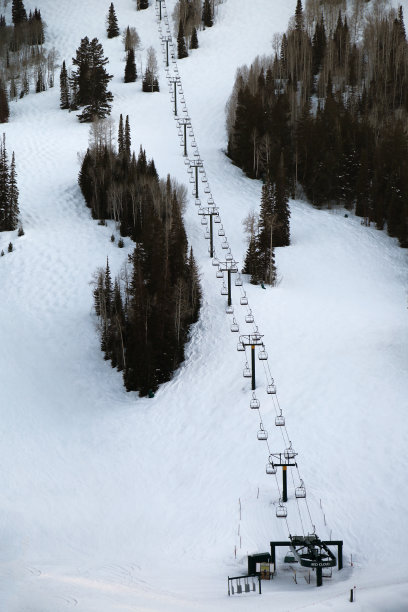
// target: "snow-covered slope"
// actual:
[[110, 502]]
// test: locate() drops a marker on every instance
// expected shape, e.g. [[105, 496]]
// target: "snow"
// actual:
[[111, 502]]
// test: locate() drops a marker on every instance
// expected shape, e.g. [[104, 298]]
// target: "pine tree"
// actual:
[[142, 4], [40, 84], [113, 28], [265, 239], [130, 68], [64, 89], [194, 39], [127, 139], [90, 81], [207, 15], [121, 136], [281, 211], [181, 43], [4, 105], [251, 264], [4, 186], [299, 17], [13, 209], [18, 12]]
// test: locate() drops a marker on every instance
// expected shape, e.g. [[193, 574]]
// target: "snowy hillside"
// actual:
[[112, 503]]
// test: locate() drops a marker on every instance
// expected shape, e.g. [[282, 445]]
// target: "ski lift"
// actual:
[[217, 219], [228, 256], [262, 433], [270, 468], [280, 420], [204, 220], [206, 189], [224, 290], [207, 234], [180, 132], [243, 300], [289, 452], [290, 557], [229, 309], [300, 492], [240, 347], [224, 244], [187, 163], [271, 388], [193, 144], [220, 274], [234, 326], [238, 281], [254, 403], [210, 201], [191, 133], [221, 231], [247, 372], [281, 510], [203, 178], [215, 261], [263, 355], [249, 318], [197, 202]]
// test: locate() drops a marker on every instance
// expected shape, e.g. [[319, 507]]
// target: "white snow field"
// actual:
[[113, 503]]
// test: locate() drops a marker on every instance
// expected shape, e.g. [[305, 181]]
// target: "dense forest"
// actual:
[[145, 315], [333, 101]]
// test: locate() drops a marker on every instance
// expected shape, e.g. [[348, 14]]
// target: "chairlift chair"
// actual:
[[281, 510], [221, 231], [210, 201], [234, 326], [220, 274], [238, 281], [228, 256], [300, 491], [197, 202], [193, 144], [224, 244], [224, 290], [207, 234], [280, 420], [206, 189], [240, 347], [247, 372], [270, 468], [271, 388], [229, 309], [204, 220], [187, 163], [263, 355], [243, 300], [289, 453], [249, 318], [217, 219], [215, 261], [262, 433], [254, 403]]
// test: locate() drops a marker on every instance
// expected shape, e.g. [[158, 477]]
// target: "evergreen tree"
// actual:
[[4, 186], [121, 136], [127, 139], [4, 105], [265, 239], [130, 68], [142, 4], [13, 209], [113, 28], [194, 39], [64, 88], [281, 211], [18, 12], [207, 15], [90, 81], [181, 43], [40, 84], [299, 17], [251, 264]]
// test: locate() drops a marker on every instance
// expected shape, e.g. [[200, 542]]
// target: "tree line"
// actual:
[[24, 65], [334, 104], [146, 313]]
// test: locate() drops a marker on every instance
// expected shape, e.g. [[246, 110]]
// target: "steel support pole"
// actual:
[[175, 98], [229, 287], [253, 366], [185, 140], [196, 181], [319, 576], [160, 13], [211, 237], [167, 51], [284, 484]]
